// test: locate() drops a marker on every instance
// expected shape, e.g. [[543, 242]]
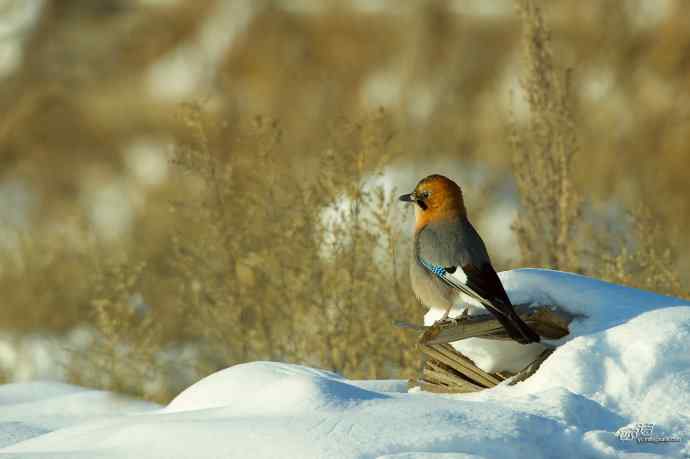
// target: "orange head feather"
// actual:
[[437, 198]]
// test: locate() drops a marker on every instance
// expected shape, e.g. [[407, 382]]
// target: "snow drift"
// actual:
[[628, 362]]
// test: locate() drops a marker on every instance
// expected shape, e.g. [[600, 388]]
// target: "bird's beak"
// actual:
[[410, 197]]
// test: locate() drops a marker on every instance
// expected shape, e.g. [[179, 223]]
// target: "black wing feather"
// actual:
[[486, 283]]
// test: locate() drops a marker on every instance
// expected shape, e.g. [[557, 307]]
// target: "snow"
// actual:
[[627, 362], [33, 409]]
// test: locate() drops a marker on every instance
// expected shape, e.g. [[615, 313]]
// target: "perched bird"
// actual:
[[446, 241]]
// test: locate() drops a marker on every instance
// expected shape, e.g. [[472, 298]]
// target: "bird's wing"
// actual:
[[457, 245], [485, 282]]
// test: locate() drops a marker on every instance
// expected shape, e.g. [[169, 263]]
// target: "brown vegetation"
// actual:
[[229, 258]]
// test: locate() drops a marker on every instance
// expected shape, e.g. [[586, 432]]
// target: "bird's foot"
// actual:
[[444, 319], [453, 320]]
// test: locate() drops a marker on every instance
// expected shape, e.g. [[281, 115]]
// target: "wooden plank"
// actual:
[[462, 379], [438, 377], [549, 322], [451, 381], [434, 354], [482, 326], [434, 365], [503, 375], [445, 369], [452, 360], [468, 364], [435, 388]]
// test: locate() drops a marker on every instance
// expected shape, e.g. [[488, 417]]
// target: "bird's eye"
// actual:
[[425, 194]]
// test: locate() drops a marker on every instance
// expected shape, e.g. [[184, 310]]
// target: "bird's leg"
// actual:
[[444, 317], [465, 313]]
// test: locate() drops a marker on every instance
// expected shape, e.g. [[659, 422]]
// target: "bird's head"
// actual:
[[436, 198]]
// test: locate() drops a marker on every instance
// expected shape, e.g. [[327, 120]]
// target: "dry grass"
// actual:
[[122, 353], [267, 276], [544, 152], [551, 227], [299, 271], [642, 257]]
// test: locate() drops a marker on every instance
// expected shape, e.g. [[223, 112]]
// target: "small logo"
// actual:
[[643, 433]]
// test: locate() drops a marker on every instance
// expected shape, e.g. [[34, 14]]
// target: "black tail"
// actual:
[[517, 329]]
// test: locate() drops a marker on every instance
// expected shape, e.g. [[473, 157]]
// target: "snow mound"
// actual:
[[271, 388], [322, 415], [628, 362], [640, 369]]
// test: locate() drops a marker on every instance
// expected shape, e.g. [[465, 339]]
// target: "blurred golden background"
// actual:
[[185, 185]]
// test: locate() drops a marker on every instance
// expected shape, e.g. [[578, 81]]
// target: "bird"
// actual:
[[445, 242]]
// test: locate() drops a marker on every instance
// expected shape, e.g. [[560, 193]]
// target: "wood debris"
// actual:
[[445, 370]]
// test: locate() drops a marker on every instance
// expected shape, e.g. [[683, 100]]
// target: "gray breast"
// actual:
[[430, 291]]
